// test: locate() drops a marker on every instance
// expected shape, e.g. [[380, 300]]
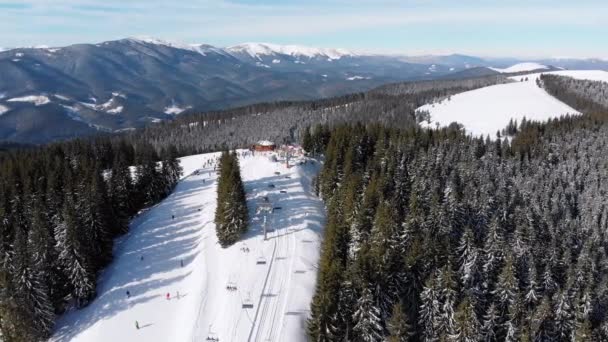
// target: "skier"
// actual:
[[137, 325], [168, 296], [128, 294], [141, 258], [173, 217], [181, 262]]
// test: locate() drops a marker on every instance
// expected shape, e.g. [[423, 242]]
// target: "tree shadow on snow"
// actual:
[[163, 242]]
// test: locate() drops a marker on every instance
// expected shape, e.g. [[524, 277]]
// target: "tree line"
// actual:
[[61, 206], [231, 215], [433, 235]]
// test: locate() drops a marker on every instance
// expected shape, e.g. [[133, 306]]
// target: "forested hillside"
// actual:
[[60, 209], [584, 95], [392, 105], [435, 236]]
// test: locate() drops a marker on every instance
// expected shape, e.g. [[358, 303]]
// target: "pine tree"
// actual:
[[564, 317], [367, 320], [73, 257], [490, 324], [231, 215], [467, 326], [430, 310], [398, 325]]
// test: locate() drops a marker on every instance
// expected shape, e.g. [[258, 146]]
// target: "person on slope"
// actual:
[[128, 294], [168, 296], [137, 325]]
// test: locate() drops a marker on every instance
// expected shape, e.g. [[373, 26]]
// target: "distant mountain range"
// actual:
[[57, 93]]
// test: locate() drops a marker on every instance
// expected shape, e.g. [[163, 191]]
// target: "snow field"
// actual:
[[591, 75], [521, 67], [487, 110], [280, 291]]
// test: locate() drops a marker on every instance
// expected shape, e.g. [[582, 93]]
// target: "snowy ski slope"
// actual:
[[278, 292], [487, 110]]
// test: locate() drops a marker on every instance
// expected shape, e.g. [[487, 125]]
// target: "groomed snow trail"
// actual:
[[274, 278], [279, 290]]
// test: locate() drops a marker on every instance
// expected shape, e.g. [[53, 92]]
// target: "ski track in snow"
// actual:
[[280, 290]]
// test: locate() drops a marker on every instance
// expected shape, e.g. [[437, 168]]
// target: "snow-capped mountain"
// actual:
[[263, 50], [73, 89]]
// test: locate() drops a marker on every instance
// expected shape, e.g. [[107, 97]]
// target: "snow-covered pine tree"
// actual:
[[368, 324], [467, 326], [231, 215], [73, 256], [430, 312]]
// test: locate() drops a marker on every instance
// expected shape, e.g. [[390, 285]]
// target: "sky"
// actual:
[[489, 28]]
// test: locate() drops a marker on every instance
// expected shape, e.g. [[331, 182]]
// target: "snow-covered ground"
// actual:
[[520, 67], [487, 110], [3, 109], [591, 75], [175, 110], [38, 100], [148, 264]]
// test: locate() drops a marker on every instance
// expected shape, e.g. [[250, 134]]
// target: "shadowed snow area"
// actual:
[[277, 293]]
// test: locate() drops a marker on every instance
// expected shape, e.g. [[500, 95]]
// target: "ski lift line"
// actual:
[[294, 246], [257, 311], [273, 320], [265, 309]]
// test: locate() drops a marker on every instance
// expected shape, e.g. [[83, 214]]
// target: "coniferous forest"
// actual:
[[231, 216], [431, 235], [436, 236], [61, 206]]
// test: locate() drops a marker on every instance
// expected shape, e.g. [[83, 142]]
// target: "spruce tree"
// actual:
[[231, 215]]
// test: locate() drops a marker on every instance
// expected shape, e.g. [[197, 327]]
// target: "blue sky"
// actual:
[[513, 28]]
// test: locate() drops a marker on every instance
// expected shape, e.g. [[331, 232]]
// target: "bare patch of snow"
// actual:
[[62, 97], [116, 110], [520, 67], [3, 109], [356, 78], [38, 100], [72, 112], [175, 109]]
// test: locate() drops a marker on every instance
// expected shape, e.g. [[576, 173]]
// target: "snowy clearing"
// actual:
[[521, 67], [175, 110], [591, 75], [38, 100], [3, 109], [148, 263], [356, 78], [116, 110], [487, 110]]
